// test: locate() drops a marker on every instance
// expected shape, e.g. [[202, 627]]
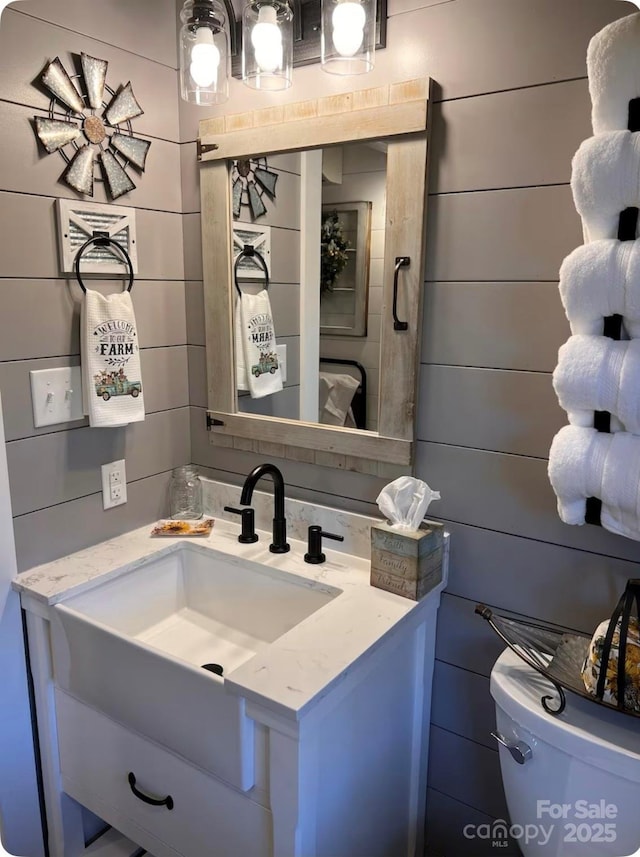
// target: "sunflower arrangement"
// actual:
[[333, 251]]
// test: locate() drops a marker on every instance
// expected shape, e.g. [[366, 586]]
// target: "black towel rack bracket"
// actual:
[[102, 239], [249, 251]]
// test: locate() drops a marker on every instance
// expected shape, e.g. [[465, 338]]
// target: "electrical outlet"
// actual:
[[114, 484]]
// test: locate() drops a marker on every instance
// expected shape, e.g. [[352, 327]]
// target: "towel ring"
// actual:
[[249, 250], [102, 241]]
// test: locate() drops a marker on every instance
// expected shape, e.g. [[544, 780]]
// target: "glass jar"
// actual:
[[185, 494]]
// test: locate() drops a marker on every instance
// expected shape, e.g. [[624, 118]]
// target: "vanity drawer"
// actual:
[[207, 817]]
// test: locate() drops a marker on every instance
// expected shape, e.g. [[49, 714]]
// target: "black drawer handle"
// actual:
[[166, 801]]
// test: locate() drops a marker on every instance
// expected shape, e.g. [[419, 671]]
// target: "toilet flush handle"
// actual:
[[520, 751]]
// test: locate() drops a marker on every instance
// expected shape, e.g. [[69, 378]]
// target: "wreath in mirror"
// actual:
[[333, 251], [90, 123], [251, 182]]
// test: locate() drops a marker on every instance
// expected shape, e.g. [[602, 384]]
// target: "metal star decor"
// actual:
[[251, 181], [94, 127]]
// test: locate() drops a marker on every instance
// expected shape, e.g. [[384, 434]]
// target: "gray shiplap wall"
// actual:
[[512, 107], [55, 472]]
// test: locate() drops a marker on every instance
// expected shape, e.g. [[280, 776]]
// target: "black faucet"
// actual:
[[279, 544]]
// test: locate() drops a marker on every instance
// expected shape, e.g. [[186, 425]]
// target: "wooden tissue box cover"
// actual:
[[409, 564]]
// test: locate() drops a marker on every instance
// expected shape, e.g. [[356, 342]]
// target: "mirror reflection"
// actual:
[[337, 229]]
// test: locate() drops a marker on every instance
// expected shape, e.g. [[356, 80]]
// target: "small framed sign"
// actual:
[[78, 221], [256, 236]]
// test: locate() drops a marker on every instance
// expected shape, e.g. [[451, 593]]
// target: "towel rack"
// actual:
[[250, 251], [101, 240], [612, 325]]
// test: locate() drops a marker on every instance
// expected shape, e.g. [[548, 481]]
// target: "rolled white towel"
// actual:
[[613, 64], [586, 463], [602, 279], [595, 373], [620, 492], [571, 470], [605, 180]]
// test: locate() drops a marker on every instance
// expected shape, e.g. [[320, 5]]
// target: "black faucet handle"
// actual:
[[248, 519], [315, 555]]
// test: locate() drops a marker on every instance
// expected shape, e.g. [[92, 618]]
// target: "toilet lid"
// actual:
[[601, 737]]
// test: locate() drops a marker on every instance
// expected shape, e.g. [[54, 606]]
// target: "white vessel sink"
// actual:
[[135, 648]]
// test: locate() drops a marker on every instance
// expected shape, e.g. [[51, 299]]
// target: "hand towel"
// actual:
[[110, 355], [605, 180], [595, 373], [602, 279], [586, 463], [336, 393], [258, 340], [613, 65]]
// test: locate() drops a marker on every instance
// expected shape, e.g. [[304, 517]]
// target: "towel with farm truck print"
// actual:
[[257, 367], [110, 353]]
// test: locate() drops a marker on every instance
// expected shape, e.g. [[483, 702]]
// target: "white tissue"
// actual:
[[404, 502]]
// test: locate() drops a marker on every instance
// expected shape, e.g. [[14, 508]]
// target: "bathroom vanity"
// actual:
[[313, 741]]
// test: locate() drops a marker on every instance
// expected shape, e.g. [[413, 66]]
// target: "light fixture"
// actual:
[[267, 45], [205, 52], [348, 37], [271, 38]]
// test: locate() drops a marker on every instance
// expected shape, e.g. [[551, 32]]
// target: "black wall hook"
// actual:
[[102, 241], [250, 251]]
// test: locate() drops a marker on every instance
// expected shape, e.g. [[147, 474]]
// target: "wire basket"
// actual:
[[560, 655]]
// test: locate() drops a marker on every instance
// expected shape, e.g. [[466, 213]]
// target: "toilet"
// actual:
[[572, 782]]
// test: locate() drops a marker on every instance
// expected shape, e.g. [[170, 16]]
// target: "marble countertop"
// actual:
[[297, 670]]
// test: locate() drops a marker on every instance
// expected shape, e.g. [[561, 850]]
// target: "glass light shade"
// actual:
[[205, 53], [348, 36], [267, 45]]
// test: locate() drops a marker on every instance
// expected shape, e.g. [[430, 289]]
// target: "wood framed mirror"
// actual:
[[392, 118]]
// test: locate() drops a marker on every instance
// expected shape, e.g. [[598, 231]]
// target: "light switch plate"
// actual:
[[56, 395]]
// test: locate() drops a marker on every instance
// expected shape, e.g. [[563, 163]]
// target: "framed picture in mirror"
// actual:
[[345, 264]]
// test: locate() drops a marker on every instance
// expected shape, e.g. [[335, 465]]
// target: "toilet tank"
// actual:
[[578, 795]]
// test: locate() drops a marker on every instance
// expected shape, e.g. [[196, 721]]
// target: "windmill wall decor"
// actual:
[[251, 183], [93, 127]]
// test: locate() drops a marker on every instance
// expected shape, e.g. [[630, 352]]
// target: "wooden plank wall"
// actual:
[[512, 108], [55, 471], [364, 178], [284, 287], [283, 216]]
